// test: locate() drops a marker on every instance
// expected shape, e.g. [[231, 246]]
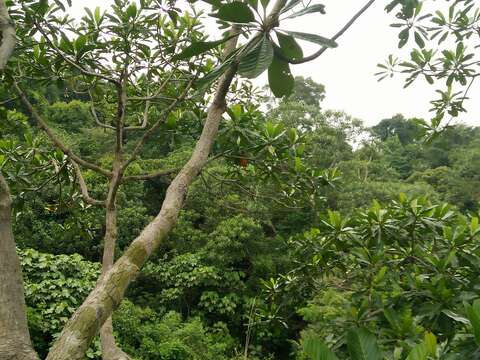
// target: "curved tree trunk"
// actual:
[[109, 292], [82, 327], [15, 341]]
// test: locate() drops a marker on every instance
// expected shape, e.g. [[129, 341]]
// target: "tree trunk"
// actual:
[[110, 350], [15, 343], [107, 295]]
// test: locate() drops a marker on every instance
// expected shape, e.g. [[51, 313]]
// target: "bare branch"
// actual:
[[95, 115], [151, 176], [83, 186], [157, 124], [335, 37], [144, 123], [43, 125]]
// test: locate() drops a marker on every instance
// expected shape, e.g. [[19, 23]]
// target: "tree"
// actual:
[[82, 60], [442, 52], [16, 341]]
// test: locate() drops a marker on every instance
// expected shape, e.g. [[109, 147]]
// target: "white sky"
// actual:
[[348, 71]]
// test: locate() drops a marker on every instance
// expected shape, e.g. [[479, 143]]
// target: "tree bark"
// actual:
[[15, 343], [107, 295], [109, 291], [110, 350]]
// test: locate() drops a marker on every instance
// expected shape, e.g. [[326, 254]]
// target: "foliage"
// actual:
[[393, 270], [444, 39], [55, 285]]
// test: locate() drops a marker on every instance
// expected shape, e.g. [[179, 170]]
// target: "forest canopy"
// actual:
[[156, 204]]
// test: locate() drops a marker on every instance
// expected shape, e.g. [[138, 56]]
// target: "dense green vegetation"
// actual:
[[304, 233], [245, 267]]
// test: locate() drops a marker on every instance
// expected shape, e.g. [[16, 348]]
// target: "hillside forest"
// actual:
[[156, 203]]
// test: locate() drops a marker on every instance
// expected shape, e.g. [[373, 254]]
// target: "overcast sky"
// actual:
[[348, 71]]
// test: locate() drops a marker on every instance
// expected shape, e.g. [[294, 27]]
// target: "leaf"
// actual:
[[456, 317], [257, 60], [236, 12], [317, 350], [316, 39], [419, 40], [431, 343], [362, 345], [199, 47], [473, 314], [289, 46], [309, 10], [132, 10], [291, 4], [280, 79], [419, 352]]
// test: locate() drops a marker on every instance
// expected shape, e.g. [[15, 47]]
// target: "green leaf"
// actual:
[[431, 343], [316, 39], [317, 350], [280, 79], [419, 40], [257, 60], [473, 314], [289, 46], [419, 352], [236, 12], [132, 10], [456, 317], [362, 345], [199, 47], [317, 8], [290, 5]]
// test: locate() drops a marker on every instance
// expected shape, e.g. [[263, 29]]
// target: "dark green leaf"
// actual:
[[199, 47], [362, 345], [280, 79], [257, 60], [289, 46], [317, 350], [317, 39], [236, 12]]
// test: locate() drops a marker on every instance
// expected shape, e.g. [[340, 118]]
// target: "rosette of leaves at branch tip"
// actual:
[[444, 44], [261, 51]]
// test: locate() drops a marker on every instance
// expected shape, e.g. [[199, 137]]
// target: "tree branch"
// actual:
[[95, 115], [70, 61], [83, 186], [157, 124], [43, 125], [335, 37]]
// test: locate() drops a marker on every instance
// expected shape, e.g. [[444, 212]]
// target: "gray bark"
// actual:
[[15, 341]]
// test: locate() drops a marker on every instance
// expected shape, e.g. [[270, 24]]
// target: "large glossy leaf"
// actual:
[[289, 46], [280, 79], [257, 60], [198, 48], [317, 350], [419, 352], [317, 8], [362, 345], [236, 12], [317, 39]]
